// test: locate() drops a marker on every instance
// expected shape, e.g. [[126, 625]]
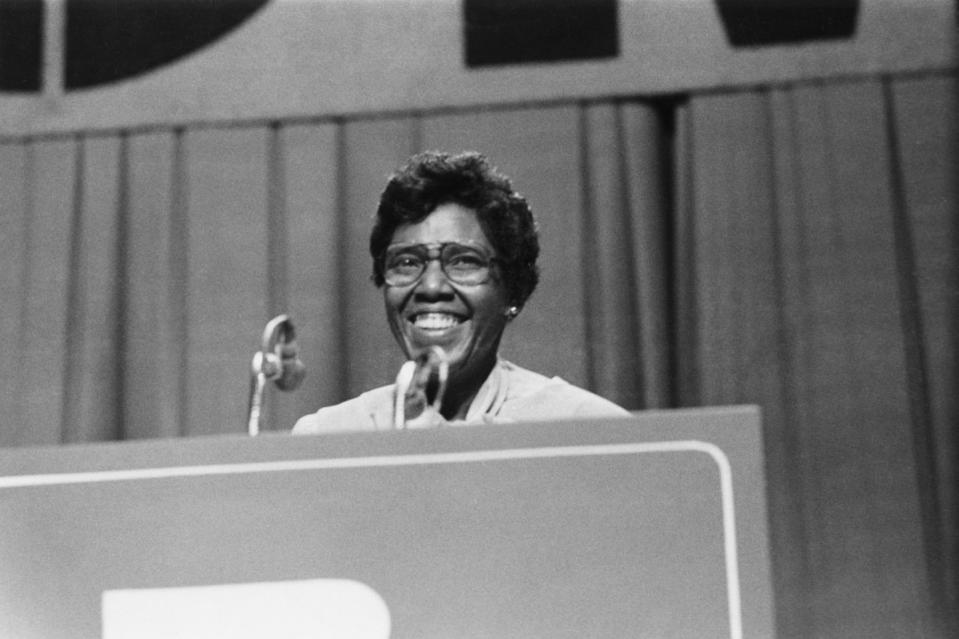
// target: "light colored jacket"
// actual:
[[509, 394]]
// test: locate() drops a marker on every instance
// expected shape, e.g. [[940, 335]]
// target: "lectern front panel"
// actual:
[[599, 529]]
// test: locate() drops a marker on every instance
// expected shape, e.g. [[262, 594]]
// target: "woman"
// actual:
[[454, 249]]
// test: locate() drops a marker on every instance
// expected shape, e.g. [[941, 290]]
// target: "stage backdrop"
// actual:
[[769, 222], [102, 64]]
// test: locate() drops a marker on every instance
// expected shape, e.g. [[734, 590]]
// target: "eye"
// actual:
[[464, 258], [403, 262], [466, 261]]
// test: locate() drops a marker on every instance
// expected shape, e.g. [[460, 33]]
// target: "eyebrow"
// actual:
[[467, 243], [464, 242]]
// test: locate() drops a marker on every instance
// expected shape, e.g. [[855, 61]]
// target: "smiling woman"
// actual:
[[454, 249]]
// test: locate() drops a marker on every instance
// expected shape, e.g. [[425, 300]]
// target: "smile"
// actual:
[[435, 321]]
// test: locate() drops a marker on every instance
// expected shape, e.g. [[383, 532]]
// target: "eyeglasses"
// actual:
[[463, 263]]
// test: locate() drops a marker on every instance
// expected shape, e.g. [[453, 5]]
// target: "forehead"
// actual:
[[447, 223]]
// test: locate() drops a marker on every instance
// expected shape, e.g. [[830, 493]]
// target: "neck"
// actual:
[[462, 389]]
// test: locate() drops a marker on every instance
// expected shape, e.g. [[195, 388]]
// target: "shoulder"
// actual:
[[364, 412], [535, 397]]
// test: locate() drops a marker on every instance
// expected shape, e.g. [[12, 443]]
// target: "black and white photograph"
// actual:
[[475, 319]]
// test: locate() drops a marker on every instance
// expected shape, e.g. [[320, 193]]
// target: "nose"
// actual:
[[434, 283]]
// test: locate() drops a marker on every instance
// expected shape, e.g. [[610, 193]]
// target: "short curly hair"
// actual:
[[433, 178]]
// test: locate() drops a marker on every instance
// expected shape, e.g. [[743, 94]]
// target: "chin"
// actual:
[[454, 352]]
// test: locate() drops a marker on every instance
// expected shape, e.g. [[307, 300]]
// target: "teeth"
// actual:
[[434, 321]]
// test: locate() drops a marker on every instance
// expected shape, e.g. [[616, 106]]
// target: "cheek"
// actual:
[[393, 304], [491, 319]]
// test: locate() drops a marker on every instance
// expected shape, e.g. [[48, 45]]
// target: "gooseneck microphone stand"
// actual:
[[276, 362]]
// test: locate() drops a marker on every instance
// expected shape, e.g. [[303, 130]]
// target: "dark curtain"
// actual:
[[817, 277], [792, 247]]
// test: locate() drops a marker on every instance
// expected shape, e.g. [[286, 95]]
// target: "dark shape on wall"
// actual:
[[756, 23], [111, 40], [21, 45], [502, 32]]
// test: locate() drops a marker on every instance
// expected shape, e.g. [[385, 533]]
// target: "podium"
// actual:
[[649, 526]]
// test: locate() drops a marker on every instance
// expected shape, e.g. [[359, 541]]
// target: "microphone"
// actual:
[[278, 358], [420, 386], [277, 361], [292, 369]]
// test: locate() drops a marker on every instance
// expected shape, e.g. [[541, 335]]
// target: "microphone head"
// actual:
[[432, 369], [292, 376], [290, 370], [420, 386]]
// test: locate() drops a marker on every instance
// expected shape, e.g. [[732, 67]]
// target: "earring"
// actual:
[[511, 312]]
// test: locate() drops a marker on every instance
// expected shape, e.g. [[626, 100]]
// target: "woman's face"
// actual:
[[467, 321]]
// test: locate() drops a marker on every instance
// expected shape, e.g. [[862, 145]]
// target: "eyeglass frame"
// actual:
[[434, 251]]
